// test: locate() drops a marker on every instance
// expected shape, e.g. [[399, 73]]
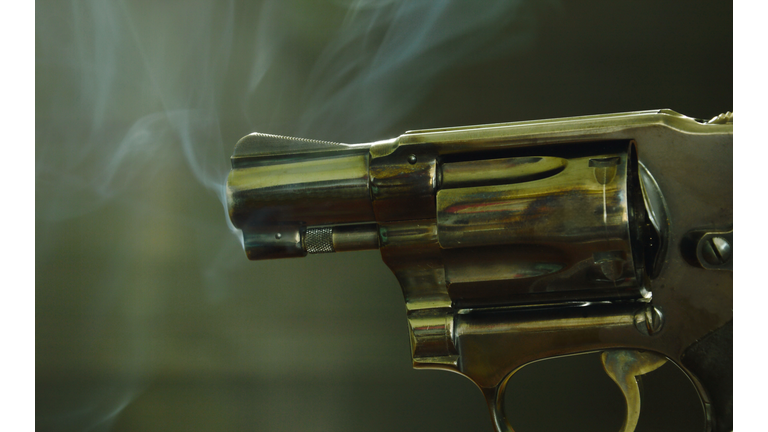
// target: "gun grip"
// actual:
[[711, 361]]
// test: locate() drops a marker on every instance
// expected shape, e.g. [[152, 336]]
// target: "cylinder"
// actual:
[[568, 233], [500, 171]]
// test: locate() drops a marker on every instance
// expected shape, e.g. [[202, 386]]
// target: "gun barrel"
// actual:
[[279, 186]]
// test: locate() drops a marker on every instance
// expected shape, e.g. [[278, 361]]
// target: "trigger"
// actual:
[[625, 368]]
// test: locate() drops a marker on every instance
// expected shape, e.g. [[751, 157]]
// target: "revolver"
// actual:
[[518, 242]]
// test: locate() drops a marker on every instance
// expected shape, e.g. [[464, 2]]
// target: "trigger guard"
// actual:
[[494, 397], [624, 367]]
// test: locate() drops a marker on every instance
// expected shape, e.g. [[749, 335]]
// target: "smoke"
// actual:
[[387, 55], [152, 83], [139, 104], [132, 91]]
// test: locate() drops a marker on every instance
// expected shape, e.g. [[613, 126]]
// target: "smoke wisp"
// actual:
[[138, 106]]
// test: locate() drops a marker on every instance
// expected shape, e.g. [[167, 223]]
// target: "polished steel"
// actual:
[[318, 240], [342, 238], [724, 118], [518, 242], [403, 184], [626, 367], [716, 250], [273, 241], [355, 237], [433, 337], [294, 182], [259, 147], [649, 320], [487, 172], [566, 236], [711, 249], [656, 243], [312, 190]]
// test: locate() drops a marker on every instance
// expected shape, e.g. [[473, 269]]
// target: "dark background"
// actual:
[[148, 315]]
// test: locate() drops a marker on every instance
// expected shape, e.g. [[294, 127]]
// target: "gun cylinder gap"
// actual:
[[341, 238]]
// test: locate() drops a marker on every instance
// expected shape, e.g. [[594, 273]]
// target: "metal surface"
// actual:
[[711, 248], [559, 238], [487, 172], [649, 320], [715, 251], [318, 240], [315, 183], [355, 237], [656, 243], [562, 220], [626, 367], [342, 238], [329, 189]]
